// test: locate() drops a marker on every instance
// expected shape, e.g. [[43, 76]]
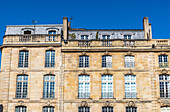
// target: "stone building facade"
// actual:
[[56, 68]]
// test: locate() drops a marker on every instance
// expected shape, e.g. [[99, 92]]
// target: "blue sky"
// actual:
[[91, 14]]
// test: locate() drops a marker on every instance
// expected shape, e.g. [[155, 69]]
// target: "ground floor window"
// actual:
[[20, 109], [48, 109], [165, 109], [131, 109], [107, 109], [84, 109]]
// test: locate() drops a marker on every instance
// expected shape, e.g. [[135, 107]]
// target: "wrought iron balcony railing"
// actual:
[[84, 44]]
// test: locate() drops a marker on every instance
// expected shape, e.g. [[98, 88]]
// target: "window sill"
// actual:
[[48, 98], [131, 98], [22, 98], [85, 98], [107, 98]]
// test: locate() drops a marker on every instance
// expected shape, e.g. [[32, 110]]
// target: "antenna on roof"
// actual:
[[34, 22], [71, 18]]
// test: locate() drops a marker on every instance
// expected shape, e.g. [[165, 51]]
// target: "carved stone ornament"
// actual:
[[20, 103], [166, 103], [50, 48], [84, 104], [164, 71], [106, 53], [130, 72], [131, 104], [83, 53], [163, 53], [106, 71], [23, 72], [107, 104], [48, 103], [129, 53], [49, 72], [24, 48]]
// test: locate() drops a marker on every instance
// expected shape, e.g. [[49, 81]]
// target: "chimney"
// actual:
[[147, 28], [65, 28]]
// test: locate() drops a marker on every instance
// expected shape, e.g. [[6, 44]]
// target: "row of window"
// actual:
[[84, 86], [105, 37], [84, 60], [87, 109]]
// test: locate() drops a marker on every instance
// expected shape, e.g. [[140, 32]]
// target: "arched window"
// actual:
[[163, 61], [22, 86], [84, 86], [130, 86], [107, 109], [131, 109], [165, 109], [23, 59], [107, 86], [20, 109], [84, 61], [129, 61], [84, 109], [164, 83], [49, 86], [27, 32], [48, 109], [50, 59], [107, 61]]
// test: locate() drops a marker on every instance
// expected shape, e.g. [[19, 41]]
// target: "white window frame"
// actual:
[[84, 37], [107, 61], [24, 83], [50, 79], [85, 61], [165, 82], [84, 86], [130, 86], [131, 109], [107, 109], [21, 109], [107, 90], [163, 61], [51, 36], [129, 61], [48, 109], [51, 64], [84, 109], [25, 60], [165, 109]]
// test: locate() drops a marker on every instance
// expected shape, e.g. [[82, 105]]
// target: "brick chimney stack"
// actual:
[[147, 28]]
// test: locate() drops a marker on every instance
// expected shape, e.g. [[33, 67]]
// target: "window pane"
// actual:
[[129, 61], [20, 109], [164, 83], [50, 59], [23, 59], [48, 109], [130, 86], [83, 61]]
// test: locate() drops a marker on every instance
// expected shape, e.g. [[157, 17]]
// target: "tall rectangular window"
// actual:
[[107, 86], [22, 86], [84, 109], [23, 59], [163, 61], [129, 61], [48, 109], [49, 86], [84, 37], [164, 83], [50, 59], [84, 86], [131, 109], [130, 86], [107, 109], [83, 61], [165, 109], [107, 61], [20, 109]]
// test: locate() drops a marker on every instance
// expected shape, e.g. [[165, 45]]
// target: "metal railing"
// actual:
[[130, 95], [107, 94], [128, 43], [106, 43], [84, 44], [84, 94]]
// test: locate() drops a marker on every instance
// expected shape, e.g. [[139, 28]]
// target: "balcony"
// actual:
[[130, 95], [106, 43], [84, 43], [84, 95], [21, 39], [107, 95], [128, 43]]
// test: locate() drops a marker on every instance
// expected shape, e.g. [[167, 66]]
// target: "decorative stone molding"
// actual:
[[49, 72], [84, 104], [106, 53], [50, 48], [129, 54], [23, 49], [164, 71], [83, 53], [21, 103], [23, 72], [131, 104], [84, 72], [130, 72], [106, 71], [163, 53], [166, 103], [48, 103]]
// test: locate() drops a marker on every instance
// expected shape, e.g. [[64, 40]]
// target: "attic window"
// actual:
[[27, 32]]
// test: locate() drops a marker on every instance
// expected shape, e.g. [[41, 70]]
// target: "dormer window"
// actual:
[[127, 36], [84, 37], [106, 37], [27, 32], [52, 36]]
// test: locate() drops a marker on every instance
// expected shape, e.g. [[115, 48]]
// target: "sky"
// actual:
[[90, 14]]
